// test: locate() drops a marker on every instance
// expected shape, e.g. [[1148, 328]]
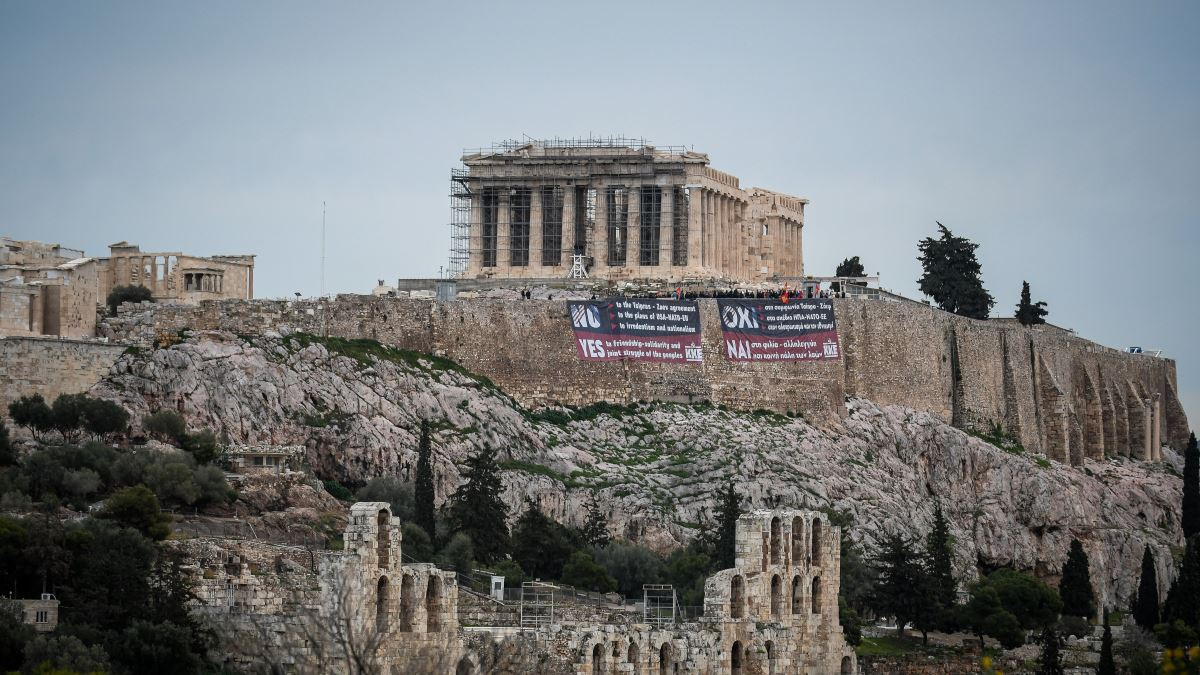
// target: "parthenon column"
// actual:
[[568, 225], [475, 232], [503, 231], [666, 228], [600, 230], [633, 228], [535, 226], [695, 205]]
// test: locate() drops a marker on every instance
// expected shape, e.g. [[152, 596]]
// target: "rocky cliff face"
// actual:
[[357, 407]]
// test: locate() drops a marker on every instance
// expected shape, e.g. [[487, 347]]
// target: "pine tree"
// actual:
[[951, 275], [1050, 662], [729, 509], [1191, 489], [1183, 600], [478, 510], [1028, 312], [1107, 665], [939, 557], [595, 529], [423, 510], [903, 588], [540, 545], [1145, 607], [1075, 588], [850, 267]]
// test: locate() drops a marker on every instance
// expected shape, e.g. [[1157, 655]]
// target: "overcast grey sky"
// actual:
[[1060, 136]]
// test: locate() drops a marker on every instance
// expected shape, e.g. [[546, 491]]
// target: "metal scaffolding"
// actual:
[[537, 604], [658, 604], [460, 222]]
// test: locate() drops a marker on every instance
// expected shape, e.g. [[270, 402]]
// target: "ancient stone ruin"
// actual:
[[364, 610]]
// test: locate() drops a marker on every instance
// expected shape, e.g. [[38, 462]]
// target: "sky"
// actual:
[[1062, 137]]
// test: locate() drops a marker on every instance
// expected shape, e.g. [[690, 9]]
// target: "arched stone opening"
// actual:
[[616, 653], [735, 657], [408, 601], [737, 597], [599, 664], [666, 658], [847, 666], [797, 540], [433, 605], [1121, 413], [816, 595], [465, 667], [1108, 420], [634, 656], [1093, 421], [770, 649], [776, 597], [382, 522], [776, 541], [381, 604], [816, 541], [797, 595]]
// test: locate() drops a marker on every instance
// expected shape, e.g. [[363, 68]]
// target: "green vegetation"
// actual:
[[952, 275], [365, 352], [423, 493], [1191, 488], [1030, 313], [1145, 606], [337, 490], [477, 510], [1075, 589], [122, 294], [70, 416]]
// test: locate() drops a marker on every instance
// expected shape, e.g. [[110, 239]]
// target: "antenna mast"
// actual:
[[322, 248]]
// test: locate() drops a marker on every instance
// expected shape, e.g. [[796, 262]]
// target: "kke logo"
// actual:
[[585, 316], [831, 349], [693, 353], [738, 317]]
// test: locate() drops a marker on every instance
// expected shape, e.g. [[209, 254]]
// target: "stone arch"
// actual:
[[797, 540], [666, 658], [382, 590], [735, 657], [1138, 422], [1093, 419], [797, 595], [466, 666], [383, 535], [633, 655], [599, 662], [769, 646], [776, 541], [816, 595], [816, 541], [847, 666], [1108, 419], [776, 597], [1121, 415], [616, 653], [737, 597], [408, 602], [433, 605]]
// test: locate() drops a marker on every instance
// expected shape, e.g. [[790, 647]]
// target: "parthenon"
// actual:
[[616, 209]]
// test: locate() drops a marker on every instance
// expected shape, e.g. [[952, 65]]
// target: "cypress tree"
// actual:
[[595, 529], [729, 509], [1029, 312], [939, 556], [1107, 665], [1075, 589], [1050, 662], [952, 275], [423, 513], [1183, 600], [477, 509], [903, 588], [1191, 489], [1145, 607]]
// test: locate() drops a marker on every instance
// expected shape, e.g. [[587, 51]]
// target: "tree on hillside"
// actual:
[[423, 491], [1028, 598], [939, 560], [952, 275], [123, 294], [33, 413], [1191, 488], [1029, 312], [1075, 588], [166, 425], [8, 456], [729, 509], [850, 267], [985, 615], [1183, 600], [1145, 606], [595, 528], [1108, 666], [477, 508], [540, 545], [903, 589], [1050, 662]]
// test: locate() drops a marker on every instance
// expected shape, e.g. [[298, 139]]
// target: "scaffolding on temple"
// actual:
[[460, 223]]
